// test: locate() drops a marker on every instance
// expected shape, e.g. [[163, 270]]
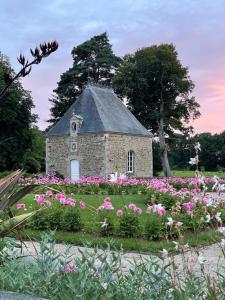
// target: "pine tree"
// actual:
[[93, 61]]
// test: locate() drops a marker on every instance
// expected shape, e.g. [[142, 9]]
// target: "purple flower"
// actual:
[[21, 206], [119, 213]]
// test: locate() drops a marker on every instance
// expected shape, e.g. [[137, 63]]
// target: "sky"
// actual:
[[195, 27]]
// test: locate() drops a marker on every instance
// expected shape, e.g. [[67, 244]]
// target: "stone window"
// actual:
[[130, 162]]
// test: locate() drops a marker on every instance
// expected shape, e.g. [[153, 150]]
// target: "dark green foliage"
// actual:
[[157, 166], [61, 218], [154, 227], [71, 220], [55, 218], [129, 225], [15, 121], [158, 89], [39, 221], [212, 155], [31, 165], [93, 61]]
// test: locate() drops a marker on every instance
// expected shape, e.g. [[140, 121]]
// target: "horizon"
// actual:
[[196, 29]]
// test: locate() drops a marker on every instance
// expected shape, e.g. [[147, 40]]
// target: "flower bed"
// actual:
[[163, 210]]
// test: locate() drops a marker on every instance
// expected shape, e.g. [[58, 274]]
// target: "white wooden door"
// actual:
[[74, 167]]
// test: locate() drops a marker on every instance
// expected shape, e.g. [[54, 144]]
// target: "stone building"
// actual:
[[99, 136]]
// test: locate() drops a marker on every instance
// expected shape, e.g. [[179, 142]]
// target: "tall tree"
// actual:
[[158, 91], [15, 120], [93, 61]]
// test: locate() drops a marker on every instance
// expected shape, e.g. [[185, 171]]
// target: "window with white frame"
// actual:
[[130, 162]]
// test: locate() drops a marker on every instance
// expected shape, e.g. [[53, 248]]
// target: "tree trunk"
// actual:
[[162, 141], [163, 155]]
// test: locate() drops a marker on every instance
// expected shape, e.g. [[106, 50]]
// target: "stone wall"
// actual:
[[57, 155], [99, 154], [117, 147], [91, 149]]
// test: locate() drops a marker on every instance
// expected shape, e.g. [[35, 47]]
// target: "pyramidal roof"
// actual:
[[102, 111]]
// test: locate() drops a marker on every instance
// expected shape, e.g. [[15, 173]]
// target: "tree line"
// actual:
[[157, 88]]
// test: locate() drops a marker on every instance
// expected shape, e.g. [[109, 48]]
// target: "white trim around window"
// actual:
[[130, 162]]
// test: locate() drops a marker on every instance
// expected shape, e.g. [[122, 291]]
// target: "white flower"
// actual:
[[170, 222], [221, 230], [197, 146], [209, 202], [208, 218], [164, 253], [104, 224], [193, 161], [201, 180], [222, 243], [176, 245], [218, 217], [201, 259], [104, 285]]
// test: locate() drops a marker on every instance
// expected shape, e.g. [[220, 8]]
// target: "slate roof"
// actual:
[[102, 111]]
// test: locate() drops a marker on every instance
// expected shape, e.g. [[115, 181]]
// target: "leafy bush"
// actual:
[[71, 220], [39, 221], [154, 228], [31, 165], [129, 225], [166, 199], [105, 225], [55, 218]]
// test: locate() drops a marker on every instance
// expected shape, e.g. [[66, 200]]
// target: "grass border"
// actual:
[[127, 244]]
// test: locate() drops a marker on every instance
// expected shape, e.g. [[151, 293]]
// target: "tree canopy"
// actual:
[[158, 92], [93, 61], [15, 120]]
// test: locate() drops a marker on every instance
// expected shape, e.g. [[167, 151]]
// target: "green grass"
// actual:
[[127, 244], [90, 237], [189, 173], [88, 215]]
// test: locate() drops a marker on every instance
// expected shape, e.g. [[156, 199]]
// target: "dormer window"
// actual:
[[74, 126]]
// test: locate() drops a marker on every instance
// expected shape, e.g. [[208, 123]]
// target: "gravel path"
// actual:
[[214, 259]]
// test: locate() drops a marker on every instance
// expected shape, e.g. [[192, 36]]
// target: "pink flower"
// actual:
[[59, 196], [178, 224], [160, 210], [132, 206], [119, 213], [70, 267], [107, 199], [138, 210], [188, 205], [20, 206], [49, 193], [82, 204], [40, 199]]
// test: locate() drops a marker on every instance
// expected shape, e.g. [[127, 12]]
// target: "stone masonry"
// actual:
[[100, 154]]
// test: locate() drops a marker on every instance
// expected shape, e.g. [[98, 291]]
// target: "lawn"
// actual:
[[189, 173], [90, 236], [88, 215]]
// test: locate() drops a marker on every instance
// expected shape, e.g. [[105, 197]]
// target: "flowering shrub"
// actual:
[[129, 224], [154, 228]]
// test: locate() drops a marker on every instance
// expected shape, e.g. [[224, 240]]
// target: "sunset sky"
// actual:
[[196, 27]]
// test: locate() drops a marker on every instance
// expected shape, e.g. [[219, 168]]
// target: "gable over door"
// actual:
[[74, 167]]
